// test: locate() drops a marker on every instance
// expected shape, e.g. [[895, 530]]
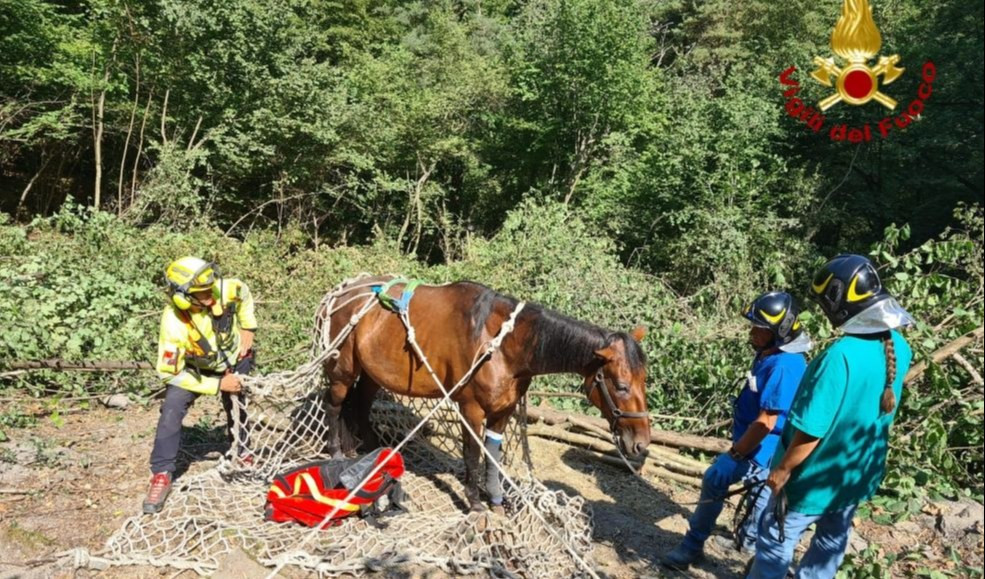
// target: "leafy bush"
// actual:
[[939, 427], [84, 285]]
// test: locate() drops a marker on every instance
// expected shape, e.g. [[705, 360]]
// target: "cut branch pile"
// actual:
[[591, 435]]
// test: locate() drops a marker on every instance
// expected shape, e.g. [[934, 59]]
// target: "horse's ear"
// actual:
[[605, 354], [638, 333]]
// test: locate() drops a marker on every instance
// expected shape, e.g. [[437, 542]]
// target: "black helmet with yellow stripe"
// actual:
[[846, 286], [777, 312]]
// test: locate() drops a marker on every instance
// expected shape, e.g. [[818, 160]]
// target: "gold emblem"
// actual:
[[856, 40]]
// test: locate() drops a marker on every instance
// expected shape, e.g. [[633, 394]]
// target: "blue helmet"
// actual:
[[845, 286], [777, 312]]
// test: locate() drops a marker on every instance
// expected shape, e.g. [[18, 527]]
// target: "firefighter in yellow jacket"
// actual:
[[206, 342]]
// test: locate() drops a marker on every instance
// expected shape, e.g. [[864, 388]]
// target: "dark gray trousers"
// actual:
[[177, 401]]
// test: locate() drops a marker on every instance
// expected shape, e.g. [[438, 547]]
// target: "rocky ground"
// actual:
[[72, 482]]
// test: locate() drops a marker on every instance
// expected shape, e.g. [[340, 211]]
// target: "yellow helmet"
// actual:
[[186, 276]]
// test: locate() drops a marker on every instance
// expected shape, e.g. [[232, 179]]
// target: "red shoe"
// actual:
[[160, 488]]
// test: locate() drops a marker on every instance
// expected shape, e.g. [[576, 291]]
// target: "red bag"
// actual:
[[309, 493]]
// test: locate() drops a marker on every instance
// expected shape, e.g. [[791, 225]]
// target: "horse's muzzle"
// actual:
[[632, 443]]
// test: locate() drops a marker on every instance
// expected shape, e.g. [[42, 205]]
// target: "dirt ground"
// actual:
[[74, 484]]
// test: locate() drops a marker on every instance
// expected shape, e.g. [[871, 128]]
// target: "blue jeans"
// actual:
[[703, 520], [823, 557]]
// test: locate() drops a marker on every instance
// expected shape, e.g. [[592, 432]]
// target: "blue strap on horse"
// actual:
[[398, 305]]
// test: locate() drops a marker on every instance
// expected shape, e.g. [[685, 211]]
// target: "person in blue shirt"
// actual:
[[758, 417], [832, 454]]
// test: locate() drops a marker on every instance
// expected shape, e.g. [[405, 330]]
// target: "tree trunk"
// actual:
[[30, 184], [97, 128], [126, 142], [140, 150]]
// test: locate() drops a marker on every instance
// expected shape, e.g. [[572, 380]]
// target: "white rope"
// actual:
[[494, 345], [447, 395], [285, 423]]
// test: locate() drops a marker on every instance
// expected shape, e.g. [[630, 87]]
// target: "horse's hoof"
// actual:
[[478, 507], [480, 522]]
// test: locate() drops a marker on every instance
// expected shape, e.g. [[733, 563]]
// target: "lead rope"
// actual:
[[751, 493]]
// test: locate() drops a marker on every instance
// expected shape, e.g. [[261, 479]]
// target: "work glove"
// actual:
[[720, 473]]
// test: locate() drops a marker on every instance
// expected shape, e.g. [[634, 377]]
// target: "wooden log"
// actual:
[[545, 394], [657, 436], [111, 365], [102, 365], [601, 447], [654, 450], [648, 470]]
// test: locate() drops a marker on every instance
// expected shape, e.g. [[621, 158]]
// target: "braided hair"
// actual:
[[888, 401]]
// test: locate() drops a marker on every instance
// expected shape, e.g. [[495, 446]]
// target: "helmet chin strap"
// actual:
[[763, 352], [214, 308]]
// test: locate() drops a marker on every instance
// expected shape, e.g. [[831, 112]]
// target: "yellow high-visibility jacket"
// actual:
[[195, 349]]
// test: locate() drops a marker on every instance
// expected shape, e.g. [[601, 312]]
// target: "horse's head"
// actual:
[[618, 389]]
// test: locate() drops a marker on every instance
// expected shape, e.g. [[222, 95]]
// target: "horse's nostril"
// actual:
[[639, 447]]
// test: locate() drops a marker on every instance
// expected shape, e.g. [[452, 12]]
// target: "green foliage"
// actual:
[[86, 285], [172, 194], [870, 563], [941, 283], [428, 121], [625, 161]]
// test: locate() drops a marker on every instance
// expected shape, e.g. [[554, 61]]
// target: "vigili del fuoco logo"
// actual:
[[856, 40]]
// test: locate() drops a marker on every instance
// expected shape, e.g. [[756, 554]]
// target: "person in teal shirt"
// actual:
[[832, 452]]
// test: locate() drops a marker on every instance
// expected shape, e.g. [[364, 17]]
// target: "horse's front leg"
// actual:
[[496, 424], [474, 416], [495, 429]]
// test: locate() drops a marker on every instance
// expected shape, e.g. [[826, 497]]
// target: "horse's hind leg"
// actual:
[[334, 396], [339, 375], [356, 411]]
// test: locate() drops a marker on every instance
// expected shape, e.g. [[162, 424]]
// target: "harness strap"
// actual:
[[220, 325], [197, 337], [398, 305], [751, 491], [780, 512]]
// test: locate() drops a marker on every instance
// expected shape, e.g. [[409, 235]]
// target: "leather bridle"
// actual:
[[617, 414]]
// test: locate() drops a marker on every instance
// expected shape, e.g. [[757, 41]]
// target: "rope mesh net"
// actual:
[[282, 423]]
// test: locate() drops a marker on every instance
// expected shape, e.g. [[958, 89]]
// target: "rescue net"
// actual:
[[543, 533]]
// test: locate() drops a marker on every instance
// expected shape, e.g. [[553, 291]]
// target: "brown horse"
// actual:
[[451, 323]]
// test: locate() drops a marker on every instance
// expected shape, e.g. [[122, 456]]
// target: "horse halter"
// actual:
[[599, 382]]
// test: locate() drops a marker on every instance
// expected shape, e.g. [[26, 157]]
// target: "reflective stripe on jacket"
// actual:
[[195, 349]]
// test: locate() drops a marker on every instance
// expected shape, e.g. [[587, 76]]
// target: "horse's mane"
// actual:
[[559, 336]]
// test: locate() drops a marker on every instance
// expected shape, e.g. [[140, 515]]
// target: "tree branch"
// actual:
[[944, 352]]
